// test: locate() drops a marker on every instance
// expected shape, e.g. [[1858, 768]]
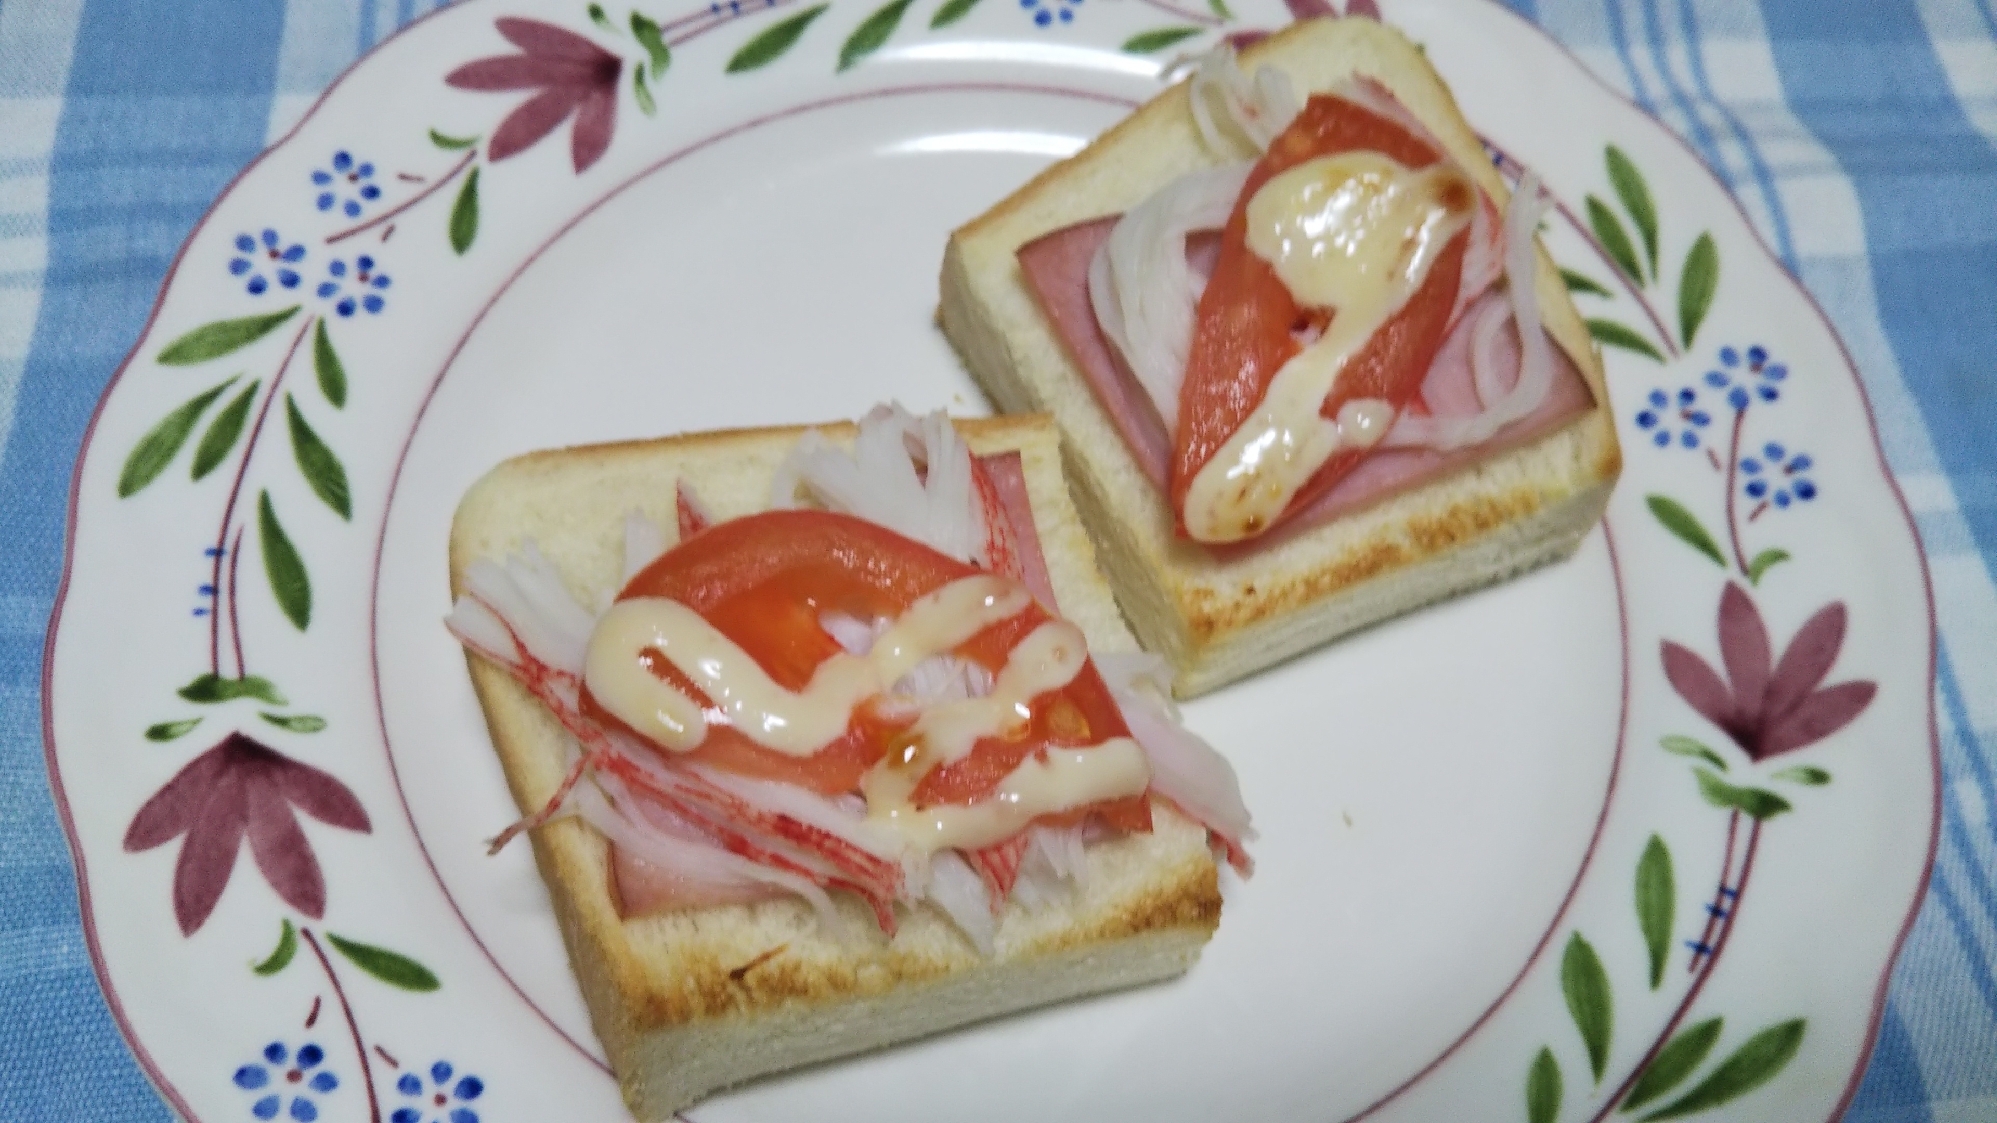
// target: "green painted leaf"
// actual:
[[222, 433], [1542, 1088], [1753, 1064], [1614, 238], [464, 215], [1696, 286], [1685, 526], [390, 967], [1586, 987], [168, 730], [1613, 334], [214, 340], [286, 570], [326, 362], [1808, 774], [1146, 42], [321, 467], [646, 31], [1687, 746], [600, 18], [951, 12], [280, 956], [1635, 196], [639, 91], [1763, 562], [451, 143], [768, 46], [1220, 8], [1581, 282], [211, 688], [1756, 802], [872, 32], [162, 442], [297, 723], [1674, 1063], [1656, 904]]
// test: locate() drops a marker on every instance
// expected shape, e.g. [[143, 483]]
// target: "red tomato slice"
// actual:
[[764, 580], [1247, 321]]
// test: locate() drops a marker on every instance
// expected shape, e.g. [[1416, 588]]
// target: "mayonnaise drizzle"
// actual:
[[800, 723], [796, 723], [1056, 779], [1356, 232]]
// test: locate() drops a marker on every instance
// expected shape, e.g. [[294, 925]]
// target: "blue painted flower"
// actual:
[[1674, 418], [266, 258], [1046, 13], [1747, 377], [1777, 476], [348, 184], [282, 1073], [439, 1099], [354, 286]]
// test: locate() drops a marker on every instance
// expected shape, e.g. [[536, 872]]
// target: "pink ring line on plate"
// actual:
[[471, 328], [674, 157], [59, 792]]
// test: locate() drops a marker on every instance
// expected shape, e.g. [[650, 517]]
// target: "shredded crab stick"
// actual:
[[804, 700]]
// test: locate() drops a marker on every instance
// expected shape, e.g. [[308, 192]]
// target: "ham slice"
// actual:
[[1056, 267], [643, 888]]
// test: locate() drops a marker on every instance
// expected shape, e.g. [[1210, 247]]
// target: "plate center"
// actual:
[[1438, 776]]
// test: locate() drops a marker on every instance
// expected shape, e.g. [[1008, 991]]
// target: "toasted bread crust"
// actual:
[[688, 1002], [1220, 620]]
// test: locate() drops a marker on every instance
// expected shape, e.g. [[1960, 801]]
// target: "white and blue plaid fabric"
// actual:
[[1860, 135]]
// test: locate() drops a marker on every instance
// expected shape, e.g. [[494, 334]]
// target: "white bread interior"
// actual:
[[692, 1002], [1219, 621]]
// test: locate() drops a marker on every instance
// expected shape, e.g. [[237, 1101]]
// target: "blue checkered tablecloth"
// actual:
[[1860, 135]]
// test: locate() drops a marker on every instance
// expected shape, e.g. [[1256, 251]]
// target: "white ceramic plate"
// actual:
[[1505, 861]]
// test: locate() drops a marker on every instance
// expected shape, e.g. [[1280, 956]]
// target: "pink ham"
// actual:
[[1057, 270], [1056, 267], [643, 888]]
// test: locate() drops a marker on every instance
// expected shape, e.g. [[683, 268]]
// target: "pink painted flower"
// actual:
[[1769, 707], [574, 77], [1311, 9], [241, 788], [1302, 10]]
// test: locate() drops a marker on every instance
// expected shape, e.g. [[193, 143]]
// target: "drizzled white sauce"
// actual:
[[1355, 232], [799, 723], [1055, 780]]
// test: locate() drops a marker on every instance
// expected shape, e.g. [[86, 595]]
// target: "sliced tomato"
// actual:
[[1247, 323], [765, 580]]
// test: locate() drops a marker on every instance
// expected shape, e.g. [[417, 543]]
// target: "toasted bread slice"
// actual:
[[690, 1002], [1219, 620]]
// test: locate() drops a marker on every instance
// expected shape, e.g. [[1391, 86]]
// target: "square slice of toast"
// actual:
[[690, 1002], [1218, 620]]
